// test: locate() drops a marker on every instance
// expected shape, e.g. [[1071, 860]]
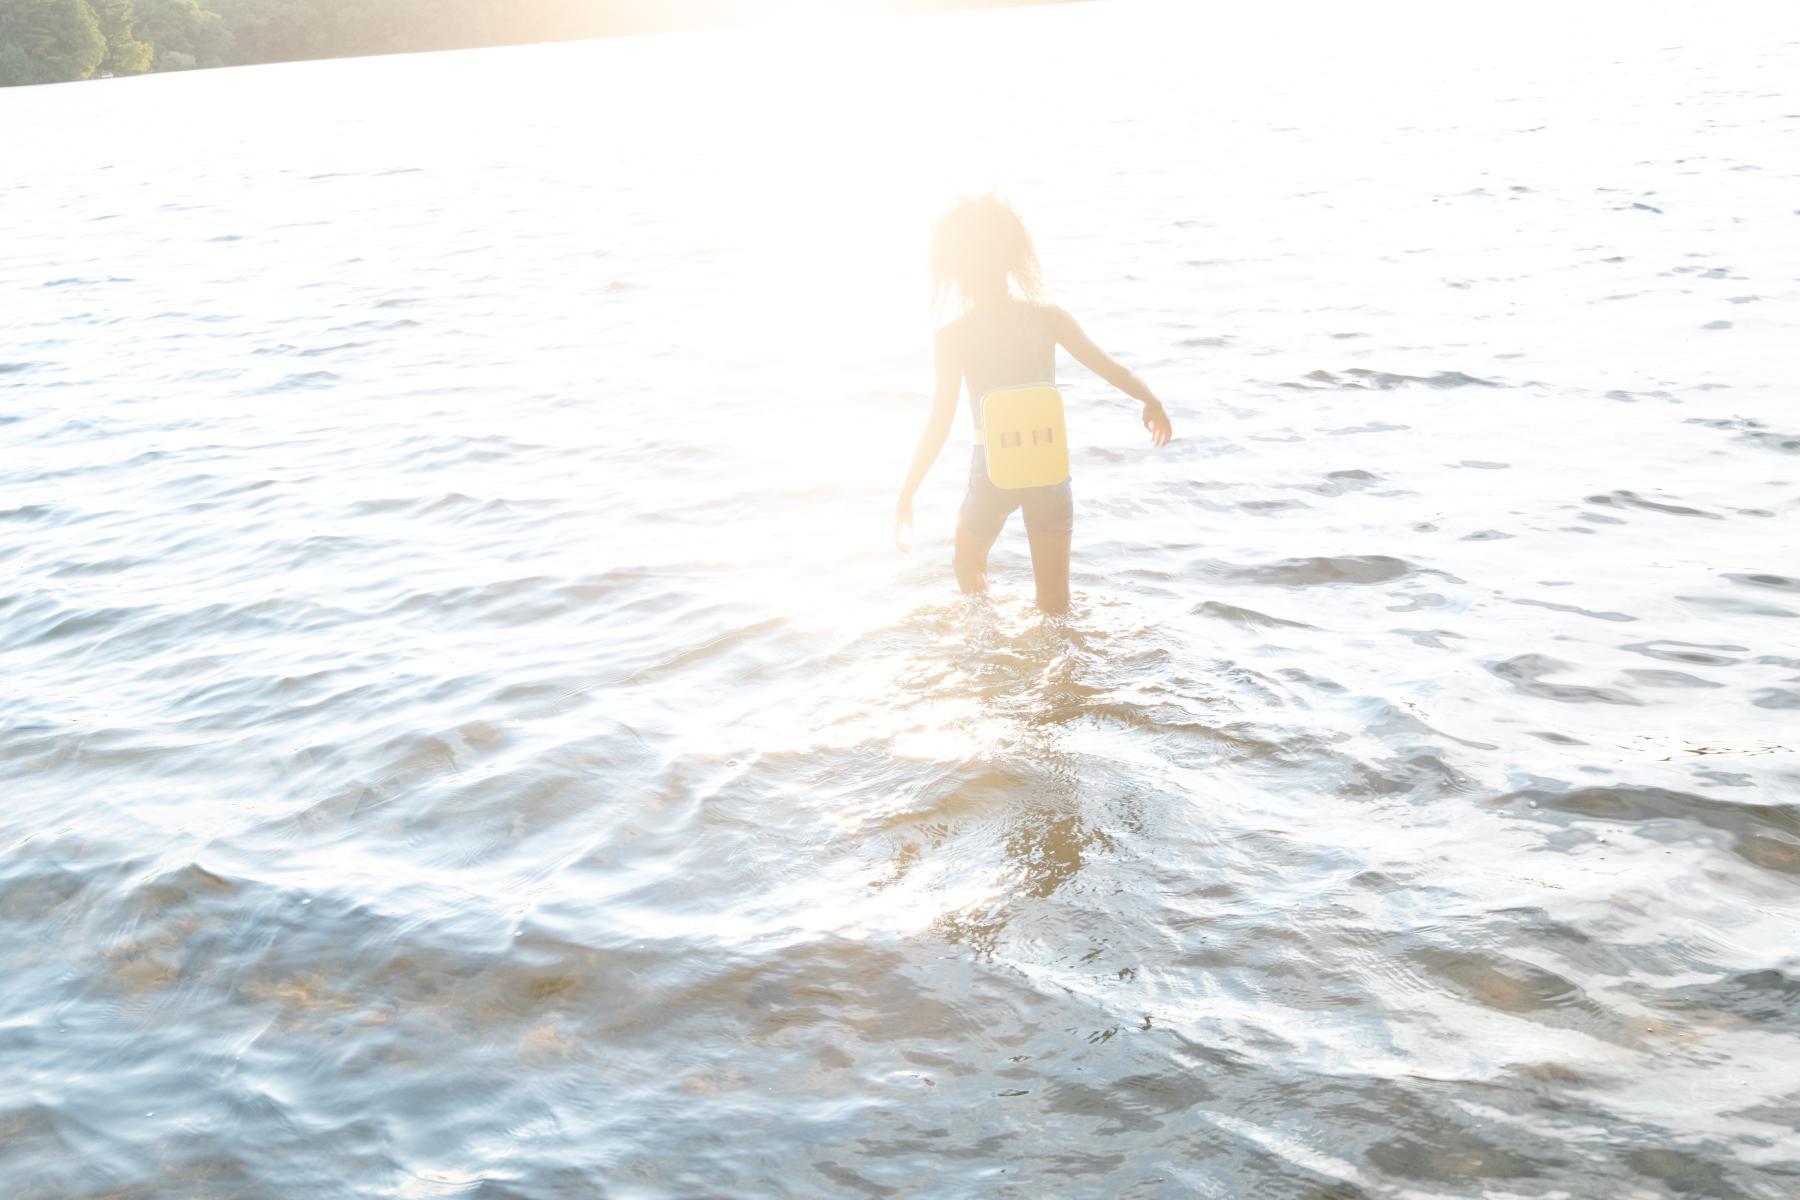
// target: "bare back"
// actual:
[[1004, 345]]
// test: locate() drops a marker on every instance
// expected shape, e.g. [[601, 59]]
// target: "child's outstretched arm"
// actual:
[[948, 371], [1073, 339]]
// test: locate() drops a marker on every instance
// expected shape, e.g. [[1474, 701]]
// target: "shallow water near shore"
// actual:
[[464, 731]]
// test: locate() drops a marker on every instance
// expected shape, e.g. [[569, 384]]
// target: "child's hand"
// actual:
[[903, 521], [1157, 422]]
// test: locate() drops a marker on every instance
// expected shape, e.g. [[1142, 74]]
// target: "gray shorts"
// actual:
[[986, 507]]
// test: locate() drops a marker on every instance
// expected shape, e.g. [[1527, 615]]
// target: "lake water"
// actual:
[[465, 732]]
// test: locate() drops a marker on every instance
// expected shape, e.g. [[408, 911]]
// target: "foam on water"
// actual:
[[463, 730]]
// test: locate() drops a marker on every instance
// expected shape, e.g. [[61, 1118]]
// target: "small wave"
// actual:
[[1338, 483], [1780, 583], [204, 318], [1526, 674], [179, 888], [1786, 443], [75, 624], [1498, 982], [110, 566], [384, 506], [1736, 604], [1439, 381], [395, 323], [305, 380], [1433, 638], [311, 351], [1625, 499], [1726, 422], [710, 648], [1651, 677], [1313, 572], [1766, 997], [1246, 616], [1265, 507], [1365, 377], [1686, 652], [1767, 835], [1371, 427], [1576, 609], [1757, 433]]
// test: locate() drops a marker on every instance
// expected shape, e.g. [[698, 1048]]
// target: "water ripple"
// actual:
[[463, 731]]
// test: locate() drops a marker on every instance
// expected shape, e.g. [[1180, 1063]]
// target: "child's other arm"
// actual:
[[1076, 341], [947, 369]]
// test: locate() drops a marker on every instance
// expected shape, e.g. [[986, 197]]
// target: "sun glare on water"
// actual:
[[815, 198]]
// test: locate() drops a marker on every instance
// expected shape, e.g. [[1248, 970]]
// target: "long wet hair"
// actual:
[[978, 241]]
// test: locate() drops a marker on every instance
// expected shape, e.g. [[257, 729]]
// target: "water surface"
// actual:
[[464, 731]]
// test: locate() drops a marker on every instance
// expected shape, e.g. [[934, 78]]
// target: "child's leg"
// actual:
[[971, 559], [1049, 524], [978, 525], [1050, 567]]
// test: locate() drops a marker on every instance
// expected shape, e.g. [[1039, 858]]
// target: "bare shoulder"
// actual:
[[1057, 320]]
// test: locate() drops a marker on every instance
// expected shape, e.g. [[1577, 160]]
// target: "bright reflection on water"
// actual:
[[464, 731]]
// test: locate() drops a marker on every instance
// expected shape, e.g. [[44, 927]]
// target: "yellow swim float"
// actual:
[[1027, 441]]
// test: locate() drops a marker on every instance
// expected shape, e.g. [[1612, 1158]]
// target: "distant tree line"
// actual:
[[50, 41]]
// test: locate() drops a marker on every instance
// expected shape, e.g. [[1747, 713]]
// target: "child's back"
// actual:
[[1006, 343]]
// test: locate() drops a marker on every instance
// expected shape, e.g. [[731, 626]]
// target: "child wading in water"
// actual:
[[1005, 335]]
